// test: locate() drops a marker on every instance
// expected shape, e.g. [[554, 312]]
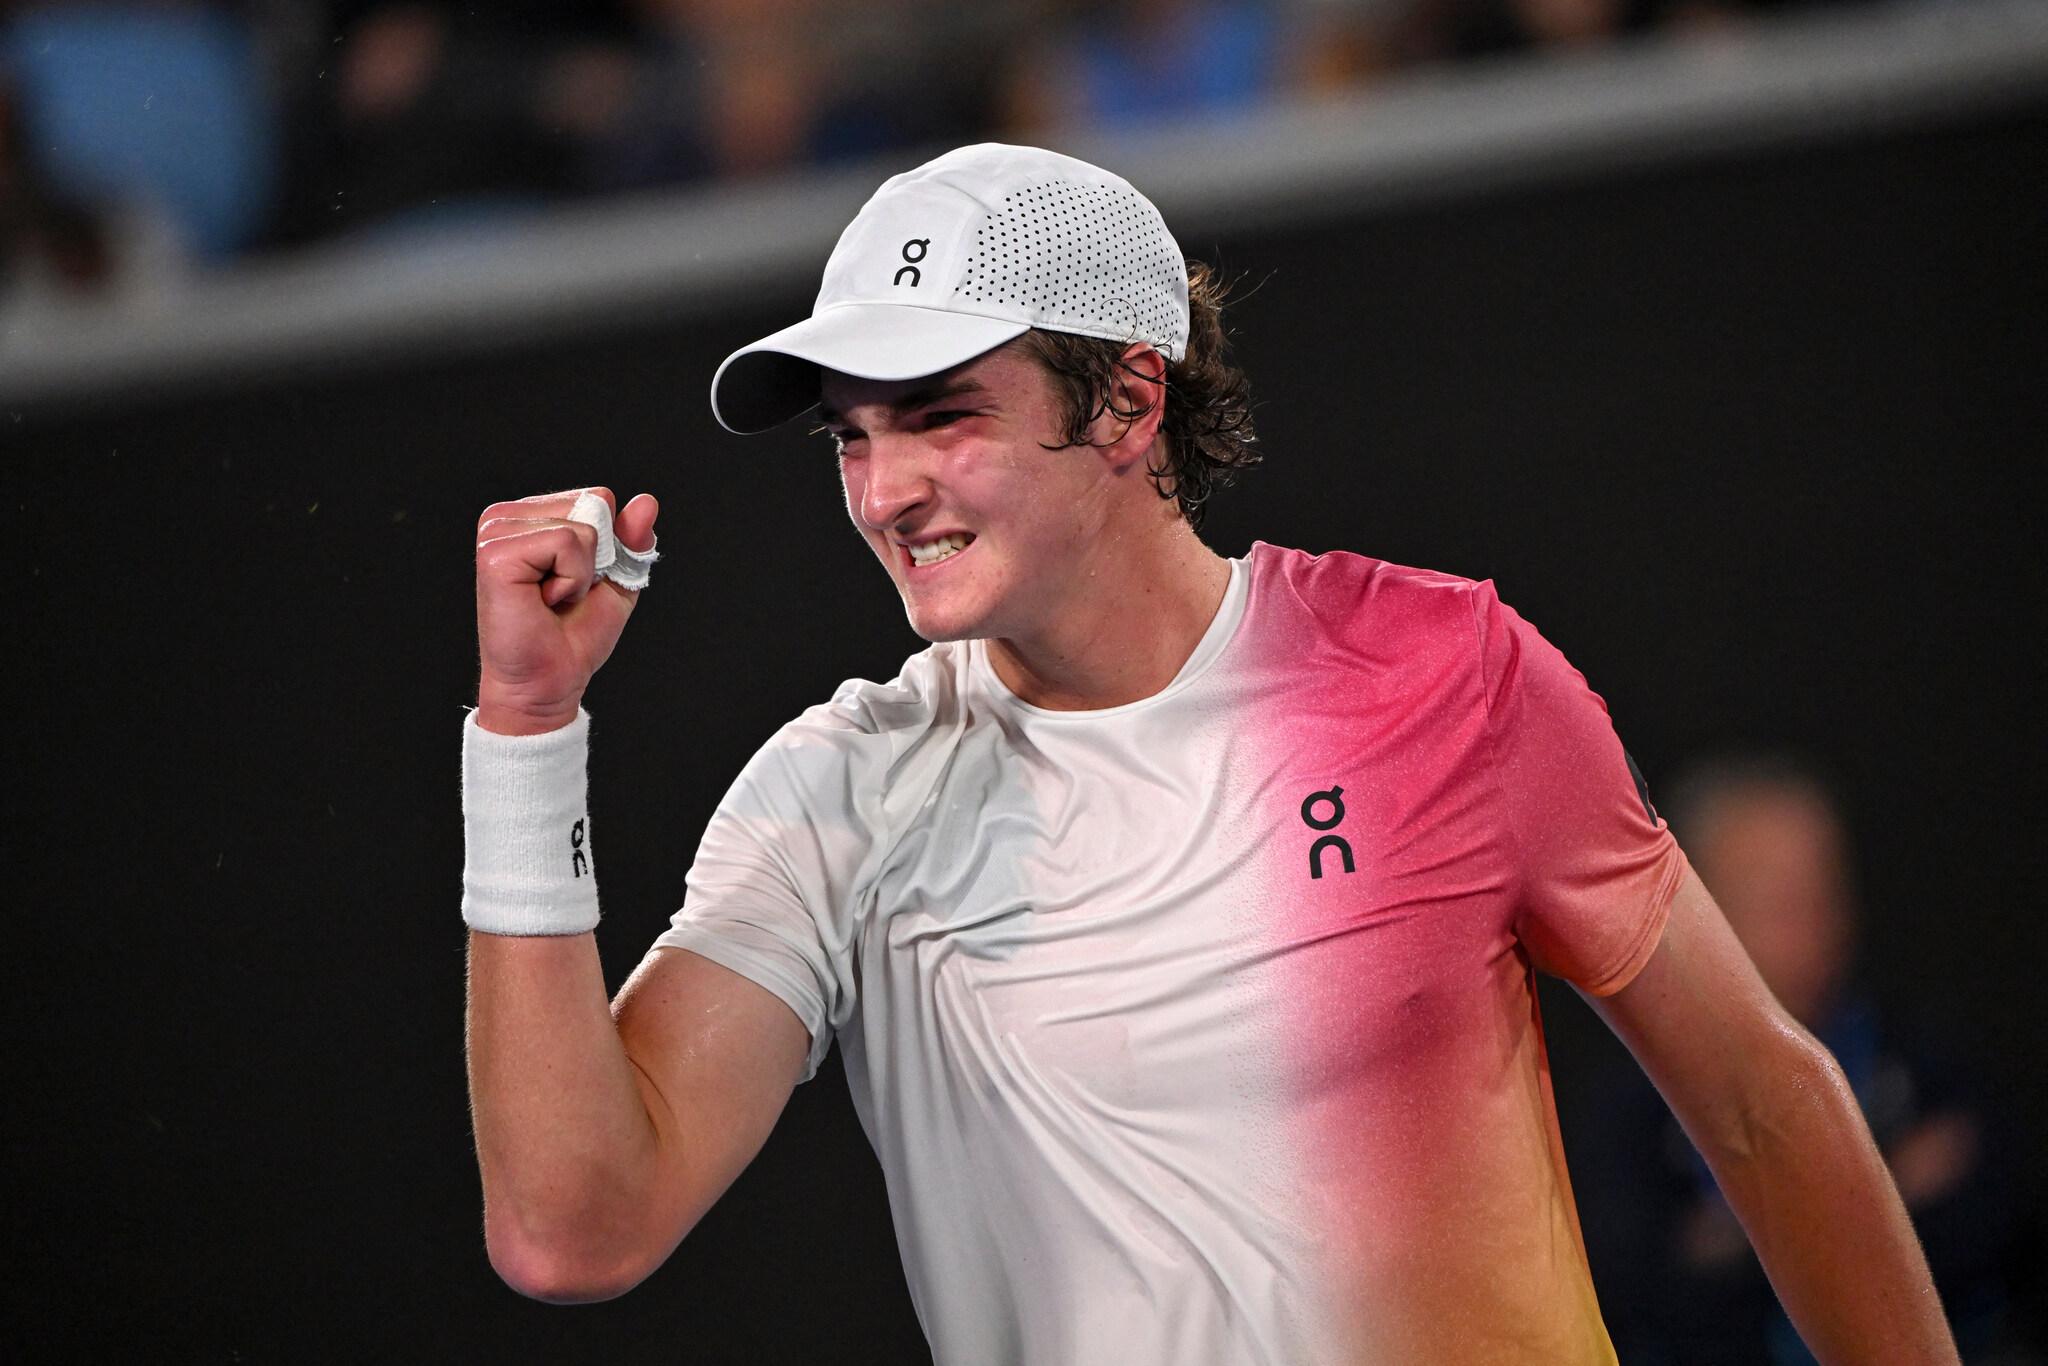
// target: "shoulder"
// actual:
[[1357, 596], [857, 741], [925, 692]]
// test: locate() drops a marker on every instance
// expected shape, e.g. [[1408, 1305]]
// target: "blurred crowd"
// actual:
[[1679, 1284], [141, 134]]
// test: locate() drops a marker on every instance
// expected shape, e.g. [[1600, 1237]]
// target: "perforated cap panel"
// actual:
[[952, 259], [1087, 258]]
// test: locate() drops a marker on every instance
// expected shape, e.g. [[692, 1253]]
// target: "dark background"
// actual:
[[1747, 437]]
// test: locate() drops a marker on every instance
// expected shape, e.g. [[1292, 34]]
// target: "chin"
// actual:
[[943, 617], [933, 627], [960, 609]]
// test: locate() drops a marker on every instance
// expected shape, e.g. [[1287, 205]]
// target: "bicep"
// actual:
[[716, 1057], [1704, 1026]]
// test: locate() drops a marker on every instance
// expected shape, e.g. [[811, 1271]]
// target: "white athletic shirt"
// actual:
[[1201, 1029]]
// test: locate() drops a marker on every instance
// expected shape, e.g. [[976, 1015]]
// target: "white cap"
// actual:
[[959, 256]]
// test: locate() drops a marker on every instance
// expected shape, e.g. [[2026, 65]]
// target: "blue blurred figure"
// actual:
[[167, 105], [1147, 61], [1677, 1278]]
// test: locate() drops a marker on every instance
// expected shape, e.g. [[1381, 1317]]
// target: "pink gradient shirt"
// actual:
[[1203, 1029]]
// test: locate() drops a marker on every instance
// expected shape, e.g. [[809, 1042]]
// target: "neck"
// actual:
[[1140, 607]]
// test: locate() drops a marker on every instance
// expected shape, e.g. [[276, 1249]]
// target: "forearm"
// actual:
[[565, 1142], [1802, 1173], [568, 1149]]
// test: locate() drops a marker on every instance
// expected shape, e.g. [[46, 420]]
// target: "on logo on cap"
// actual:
[[923, 245]]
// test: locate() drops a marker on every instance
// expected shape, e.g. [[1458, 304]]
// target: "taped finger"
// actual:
[[617, 561]]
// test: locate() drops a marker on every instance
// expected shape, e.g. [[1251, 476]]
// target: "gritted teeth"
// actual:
[[931, 552]]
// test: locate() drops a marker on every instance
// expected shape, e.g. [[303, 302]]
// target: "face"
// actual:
[[985, 532]]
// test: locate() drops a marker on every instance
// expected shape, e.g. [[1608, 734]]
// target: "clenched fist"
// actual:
[[545, 623]]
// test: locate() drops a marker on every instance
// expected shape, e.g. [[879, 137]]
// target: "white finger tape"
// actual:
[[617, 561]]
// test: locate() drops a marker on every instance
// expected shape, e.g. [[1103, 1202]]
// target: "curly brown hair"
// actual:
[[1208, 418]]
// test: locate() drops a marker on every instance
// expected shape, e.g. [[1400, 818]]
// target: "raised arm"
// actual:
[[1769, 1109], [603, 1130], [604, 1134]]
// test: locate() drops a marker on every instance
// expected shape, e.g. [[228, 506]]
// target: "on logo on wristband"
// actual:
[[520, 795]]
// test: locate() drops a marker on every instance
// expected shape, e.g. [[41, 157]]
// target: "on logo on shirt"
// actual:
[[1333, 798]]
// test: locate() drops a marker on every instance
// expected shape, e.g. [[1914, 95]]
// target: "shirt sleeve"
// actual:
[[771, 892], [1597, 866]]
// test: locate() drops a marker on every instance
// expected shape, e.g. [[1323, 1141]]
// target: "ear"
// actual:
[[1139, 385]]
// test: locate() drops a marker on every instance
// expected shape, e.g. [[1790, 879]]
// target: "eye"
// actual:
[[945, 417]]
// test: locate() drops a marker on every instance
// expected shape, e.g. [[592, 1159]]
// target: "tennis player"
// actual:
[[1176, 916]]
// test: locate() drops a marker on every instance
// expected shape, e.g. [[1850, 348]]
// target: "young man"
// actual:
[[1176, 915]]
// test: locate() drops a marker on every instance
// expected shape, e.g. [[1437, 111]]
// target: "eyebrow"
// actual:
[[915, 399]]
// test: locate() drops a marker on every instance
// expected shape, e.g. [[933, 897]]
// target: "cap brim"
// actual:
[[770, 382]]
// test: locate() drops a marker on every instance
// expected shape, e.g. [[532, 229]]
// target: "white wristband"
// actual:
[[527, 866]]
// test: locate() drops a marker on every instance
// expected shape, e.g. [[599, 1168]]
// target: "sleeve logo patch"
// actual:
[[1642, 788]]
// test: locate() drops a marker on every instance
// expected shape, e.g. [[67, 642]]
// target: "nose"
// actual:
[[895, 483]]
